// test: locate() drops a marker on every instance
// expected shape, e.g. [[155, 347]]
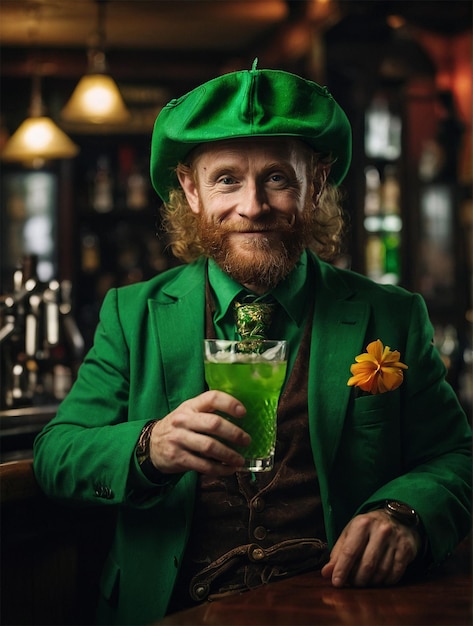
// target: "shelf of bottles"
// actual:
[[119, 224], [382, 215]]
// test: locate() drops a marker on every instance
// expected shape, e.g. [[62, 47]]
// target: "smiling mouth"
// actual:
[[253, 235], [252, 232]]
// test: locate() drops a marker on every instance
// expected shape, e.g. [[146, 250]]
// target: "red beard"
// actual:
[[259, 261]]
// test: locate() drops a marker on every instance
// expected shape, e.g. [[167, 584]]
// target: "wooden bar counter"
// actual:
[[443, 597], [52, 556]]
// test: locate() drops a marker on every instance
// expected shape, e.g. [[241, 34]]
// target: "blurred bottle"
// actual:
[[137, 190], [90, 252], [102, 193]]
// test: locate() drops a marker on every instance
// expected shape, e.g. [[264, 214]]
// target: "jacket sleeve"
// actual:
[[435, 450], [87, 452]]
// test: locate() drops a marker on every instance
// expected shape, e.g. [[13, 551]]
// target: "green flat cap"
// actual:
[[249, 103]]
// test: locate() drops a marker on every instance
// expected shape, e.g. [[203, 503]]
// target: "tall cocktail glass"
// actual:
[[252, 371]]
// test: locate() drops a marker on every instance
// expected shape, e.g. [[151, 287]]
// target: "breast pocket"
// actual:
[[374, 409]]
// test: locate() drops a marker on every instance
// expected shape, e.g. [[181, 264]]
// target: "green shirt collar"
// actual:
[[291, 293]]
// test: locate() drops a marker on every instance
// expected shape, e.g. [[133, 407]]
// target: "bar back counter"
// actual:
[[51, 554]]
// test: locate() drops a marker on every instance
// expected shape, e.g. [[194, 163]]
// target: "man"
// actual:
[[372, 473]]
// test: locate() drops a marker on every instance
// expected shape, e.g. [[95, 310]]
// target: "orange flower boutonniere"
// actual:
[[377, 370]]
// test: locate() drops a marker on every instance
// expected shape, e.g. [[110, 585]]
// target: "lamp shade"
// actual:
[[96, 100], [36, 139]]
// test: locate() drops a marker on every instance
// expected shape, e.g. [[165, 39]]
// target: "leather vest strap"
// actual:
[[249, 566]]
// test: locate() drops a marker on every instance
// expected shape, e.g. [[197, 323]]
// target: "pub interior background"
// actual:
[[73, 227]]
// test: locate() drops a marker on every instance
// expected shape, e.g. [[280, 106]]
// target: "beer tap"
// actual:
[[71, 330], [41, 343], [51, 297]]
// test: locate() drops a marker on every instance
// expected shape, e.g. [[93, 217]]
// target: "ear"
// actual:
[[189, 186]]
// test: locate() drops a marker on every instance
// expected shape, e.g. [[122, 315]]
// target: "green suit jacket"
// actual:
[[412, 444]]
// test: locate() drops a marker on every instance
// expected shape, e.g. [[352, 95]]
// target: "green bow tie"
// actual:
[[253, 319]]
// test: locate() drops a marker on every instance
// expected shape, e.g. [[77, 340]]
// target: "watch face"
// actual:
[[402, 512], [400, 507]]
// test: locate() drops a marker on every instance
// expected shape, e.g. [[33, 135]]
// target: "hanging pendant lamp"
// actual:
[[96, 98], [38, 138]]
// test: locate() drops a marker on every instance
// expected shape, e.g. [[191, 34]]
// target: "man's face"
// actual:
[[251, 196]]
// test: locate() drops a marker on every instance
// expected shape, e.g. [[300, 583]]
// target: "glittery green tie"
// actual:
[[253, 319]]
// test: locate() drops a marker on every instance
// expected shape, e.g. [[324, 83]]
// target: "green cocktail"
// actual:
[[253, 372]]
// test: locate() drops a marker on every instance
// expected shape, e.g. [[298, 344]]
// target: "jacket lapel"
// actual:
[[338, 333], [179, 313]]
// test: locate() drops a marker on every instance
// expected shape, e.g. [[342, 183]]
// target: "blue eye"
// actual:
[[277, 179]]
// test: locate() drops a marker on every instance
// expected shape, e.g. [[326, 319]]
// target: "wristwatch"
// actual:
[[402, 513]]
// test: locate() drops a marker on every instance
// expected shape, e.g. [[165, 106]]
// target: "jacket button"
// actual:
[[103, 492], [199, 591], [258, 504], [257, 554], [260, 532]]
